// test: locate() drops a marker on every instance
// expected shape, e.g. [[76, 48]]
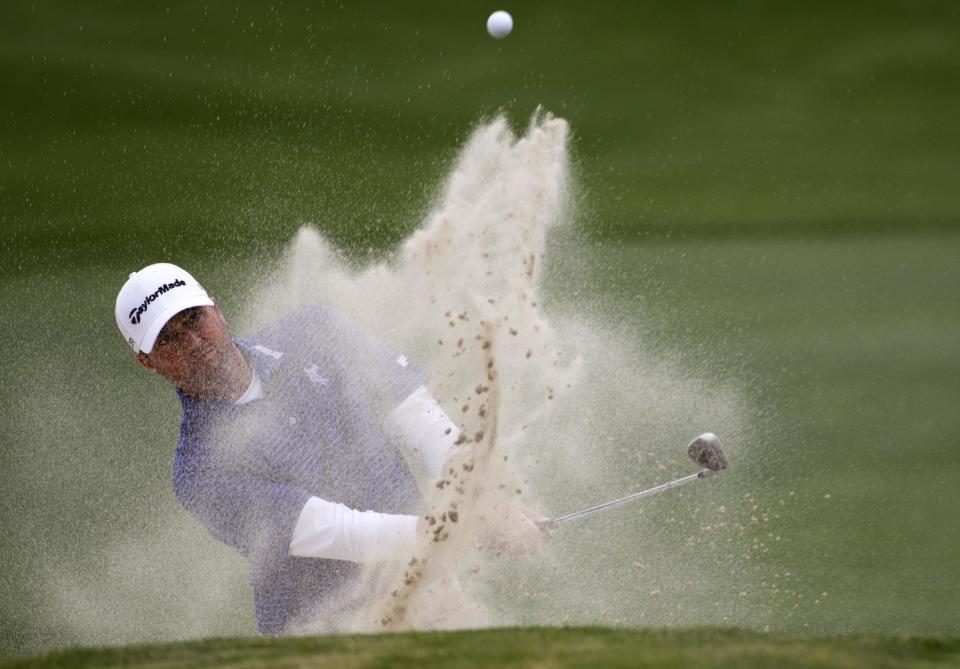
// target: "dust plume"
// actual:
[[546, 401]]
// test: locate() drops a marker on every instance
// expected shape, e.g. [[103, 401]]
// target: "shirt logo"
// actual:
[[136, 313], [402, 361], [276, 355], [313, 373]]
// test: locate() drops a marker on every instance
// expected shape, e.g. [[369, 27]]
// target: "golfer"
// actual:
[[283, 450]]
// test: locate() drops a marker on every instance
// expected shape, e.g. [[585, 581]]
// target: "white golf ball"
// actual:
[[499, 24]]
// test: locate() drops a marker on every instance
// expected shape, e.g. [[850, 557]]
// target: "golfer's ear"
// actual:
[[144, 360]]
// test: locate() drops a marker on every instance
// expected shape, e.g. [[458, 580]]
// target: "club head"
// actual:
[[707, 452]]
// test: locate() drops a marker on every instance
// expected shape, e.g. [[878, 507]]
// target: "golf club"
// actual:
[[705, 450]]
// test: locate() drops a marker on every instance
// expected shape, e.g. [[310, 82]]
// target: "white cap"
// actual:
[[153, 296]]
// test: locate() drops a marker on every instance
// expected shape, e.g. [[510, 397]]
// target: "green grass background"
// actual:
[[767, 190], [553, 648]]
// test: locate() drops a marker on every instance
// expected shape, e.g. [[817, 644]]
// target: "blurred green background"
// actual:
[[776, 184]]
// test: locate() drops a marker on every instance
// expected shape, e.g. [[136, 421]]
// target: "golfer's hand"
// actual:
[[514, 530]]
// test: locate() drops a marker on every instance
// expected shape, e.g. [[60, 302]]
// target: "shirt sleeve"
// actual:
[[253, 515], [423, 430], [334, 531]]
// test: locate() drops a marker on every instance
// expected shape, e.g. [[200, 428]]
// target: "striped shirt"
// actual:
[[246, 471]]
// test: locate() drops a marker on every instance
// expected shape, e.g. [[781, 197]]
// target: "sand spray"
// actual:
[[542, 401]]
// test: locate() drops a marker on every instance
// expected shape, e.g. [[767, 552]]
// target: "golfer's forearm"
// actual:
[[422, 427], [329, 530]]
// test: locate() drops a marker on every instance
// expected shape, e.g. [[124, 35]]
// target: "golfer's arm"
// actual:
[[423, 429], [326, 529], [329, 530]]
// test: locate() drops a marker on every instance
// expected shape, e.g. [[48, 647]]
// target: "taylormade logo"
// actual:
[[135, 314]]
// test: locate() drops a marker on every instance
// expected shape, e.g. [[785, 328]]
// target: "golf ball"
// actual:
[[499, 24]]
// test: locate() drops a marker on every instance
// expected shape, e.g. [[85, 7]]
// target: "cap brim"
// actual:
[[153, 330]]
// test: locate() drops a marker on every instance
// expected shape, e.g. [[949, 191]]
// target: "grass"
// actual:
[[534, 648], [227, 122], [842, 347]]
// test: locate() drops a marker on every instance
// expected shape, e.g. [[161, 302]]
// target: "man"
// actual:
[[283, 452]]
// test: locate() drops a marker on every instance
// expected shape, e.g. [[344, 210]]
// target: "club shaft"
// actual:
[[656, 490]]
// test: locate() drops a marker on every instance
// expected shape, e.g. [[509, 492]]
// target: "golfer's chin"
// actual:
[[207, 379]]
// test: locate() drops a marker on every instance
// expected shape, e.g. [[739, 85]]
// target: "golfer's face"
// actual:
[[192, 348]]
